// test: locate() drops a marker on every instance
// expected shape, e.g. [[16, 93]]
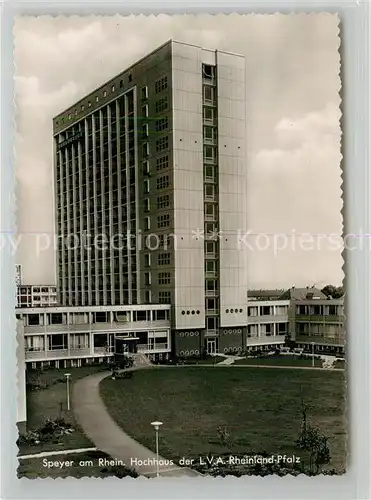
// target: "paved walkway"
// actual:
[[98, 425], [56, 452]]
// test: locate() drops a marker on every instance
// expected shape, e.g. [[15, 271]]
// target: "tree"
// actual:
[[224, 435], [312, 440], [333, 291]]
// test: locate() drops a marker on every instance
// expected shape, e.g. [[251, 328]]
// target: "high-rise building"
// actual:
[[150, 190]]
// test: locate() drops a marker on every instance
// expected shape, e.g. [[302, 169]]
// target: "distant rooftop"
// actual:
[[265, 294], [294, 293]]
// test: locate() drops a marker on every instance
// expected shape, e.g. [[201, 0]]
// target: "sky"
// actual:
[[292, 123]]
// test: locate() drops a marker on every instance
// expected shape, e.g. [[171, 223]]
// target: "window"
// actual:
[[146, 167], [164, 297], [147, 205], [163, 259], [75, 112], [141, 315], [209, 133], [265, 311], [162, 162], [282, 328], [130, 77], [121, 83], [82, 107], [69, 116], [97, 98], [210, 266], [210, 304], [145, 111], [147, 223], [105, 93], [209, 192], [211, 285], [163, 220], [252, 311], [146, 149], [210, 173], [162, 124], [163, 201], [211, 323], [208, 71], [332, 310], [210, 248], [146, 186], [144, 93], [161, 104], [161, 84], [147, 279], [162, 143], [209, 93], [164, 278], [162, 182], [112, 88], [209, 153], [145, 130], [148, 296], [147, 260], [161, 315], [209, 114], [209, 211]]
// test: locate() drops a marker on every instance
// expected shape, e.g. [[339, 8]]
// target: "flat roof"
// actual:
[[82, 309]]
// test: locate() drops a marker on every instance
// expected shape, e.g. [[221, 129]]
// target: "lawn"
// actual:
[[260, 408], [210, 360], [76, 465], [280, 361], [51, 403]]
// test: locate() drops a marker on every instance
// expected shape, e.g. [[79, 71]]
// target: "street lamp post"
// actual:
[[67, 375], [312, 354], [156, 426]]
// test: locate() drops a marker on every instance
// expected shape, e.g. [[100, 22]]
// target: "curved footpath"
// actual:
[[99, 426]]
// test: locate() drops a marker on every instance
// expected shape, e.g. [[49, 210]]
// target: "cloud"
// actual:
[[292, 82]]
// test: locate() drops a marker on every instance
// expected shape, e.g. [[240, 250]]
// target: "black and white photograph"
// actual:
[[179, 271]]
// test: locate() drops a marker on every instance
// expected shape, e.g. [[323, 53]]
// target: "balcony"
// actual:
[[42, 355], [319, 318], [337, 340], [150, 348], [265, 339]]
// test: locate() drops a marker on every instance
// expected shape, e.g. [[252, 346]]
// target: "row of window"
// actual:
[[82, 107], [161, 84], [161, 144], [163, 259], [163, 220], [190, 312]]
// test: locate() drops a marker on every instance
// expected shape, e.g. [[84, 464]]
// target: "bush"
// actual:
[[52, 430]]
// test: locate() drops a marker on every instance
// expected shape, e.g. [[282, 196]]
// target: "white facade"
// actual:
[[65, 333], [267, 323], [189, 197]]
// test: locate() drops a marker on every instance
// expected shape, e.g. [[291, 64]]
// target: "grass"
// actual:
[[210, 360], [84, 464], [280, 360], [51, 403], [261, 409]]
